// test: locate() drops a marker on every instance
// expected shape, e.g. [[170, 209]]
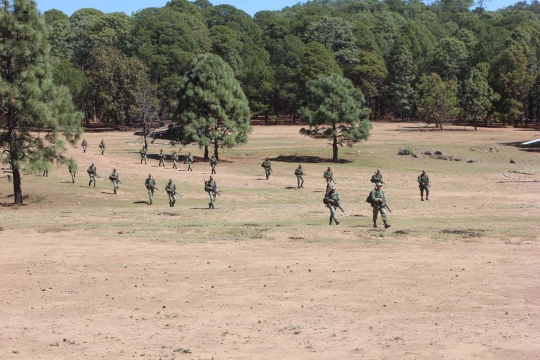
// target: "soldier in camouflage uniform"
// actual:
[[377, 177], [114, 177], [213, 163], [329, 177], [175, 159], [170, 188], [102, 147], [423, 183], [143, 154], [299, 172], [267, 167], [377, 200], [210, 187], [150, 184], [161, 158], [92, 172], [189, 160], [72, 168], [84, 145], [332, 200]]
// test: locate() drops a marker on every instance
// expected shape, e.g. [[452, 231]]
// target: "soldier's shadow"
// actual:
[[291, 188], [141, 202], [65, 182], [201, 208], [108, 192]]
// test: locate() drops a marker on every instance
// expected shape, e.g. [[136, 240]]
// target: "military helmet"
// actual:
[[423, 171], [378, 171], [170, 180], [267, 158], [211, 177]]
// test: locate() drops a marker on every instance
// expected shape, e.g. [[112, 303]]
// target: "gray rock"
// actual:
[[403, 151], [512, 161], [471, 161], [457, 159], [429, 152], [438, 152], [415, 155]]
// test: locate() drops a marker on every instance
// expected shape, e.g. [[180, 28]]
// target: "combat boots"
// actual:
[[386, 225], [375, 224]]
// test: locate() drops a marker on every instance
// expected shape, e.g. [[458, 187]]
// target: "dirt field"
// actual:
[[86, 274]]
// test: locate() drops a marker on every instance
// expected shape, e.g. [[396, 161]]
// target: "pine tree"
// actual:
[[403, 73], [477, 95], [33, 111], [212, 107], [436, 100], [335, 111]]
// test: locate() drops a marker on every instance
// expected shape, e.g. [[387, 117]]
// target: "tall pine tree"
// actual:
[[33, 111], [212, 106], [335, 111]]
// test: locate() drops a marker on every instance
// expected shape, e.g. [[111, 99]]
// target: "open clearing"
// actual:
[[86, 274]]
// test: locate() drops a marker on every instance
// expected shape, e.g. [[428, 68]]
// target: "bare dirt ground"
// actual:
[[86, 274]]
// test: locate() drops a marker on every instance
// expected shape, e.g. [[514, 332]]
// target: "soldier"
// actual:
[[143, 154], [299, 176], [170, 188], [102, 147], [267, 167], [115, 179], [377, 177], [329, 178], [332, 200], [189, 160], [45, 173], [210, 187], [378, 202], [84, 145], [423, 182], [161, 158], [92, 172], [213, 163], [72, 168], [175, 159], [150, 184]]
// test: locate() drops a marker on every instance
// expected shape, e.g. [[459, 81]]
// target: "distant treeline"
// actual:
[[451, 60]]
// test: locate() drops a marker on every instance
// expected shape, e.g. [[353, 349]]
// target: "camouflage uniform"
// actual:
[[175, 159], [84, 145], [210, 187], [92, 172], [299, 176], [170, 188], [329, 178], [102, 147], [423, 183], [331, 199], [213, 163], [72, 168], [376, 198], [377, 177], [267, 167], [189, 160], [150, 184], [161, 158], [115, 179], [143, 154]]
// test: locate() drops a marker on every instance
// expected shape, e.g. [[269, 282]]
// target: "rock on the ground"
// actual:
[[512, 161], [403, 151]]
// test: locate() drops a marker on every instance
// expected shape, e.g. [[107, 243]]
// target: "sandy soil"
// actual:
[[88, 275]]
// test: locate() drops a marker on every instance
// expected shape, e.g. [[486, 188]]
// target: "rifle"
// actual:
[[336, 204], [334, 181], [385, 205], [212, 189]]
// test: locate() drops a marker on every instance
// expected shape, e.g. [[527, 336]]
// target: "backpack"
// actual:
[[368, 199]]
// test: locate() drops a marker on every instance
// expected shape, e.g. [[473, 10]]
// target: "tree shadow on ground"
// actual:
[[528, 148], [306, 159], [417, 128]]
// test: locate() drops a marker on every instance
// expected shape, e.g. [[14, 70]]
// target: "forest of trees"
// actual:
[[448, 61]]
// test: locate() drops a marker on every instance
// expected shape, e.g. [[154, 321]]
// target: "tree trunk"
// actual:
[[17, 191], [335, 150], [266, 117], [206, 152], [216, 147]]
